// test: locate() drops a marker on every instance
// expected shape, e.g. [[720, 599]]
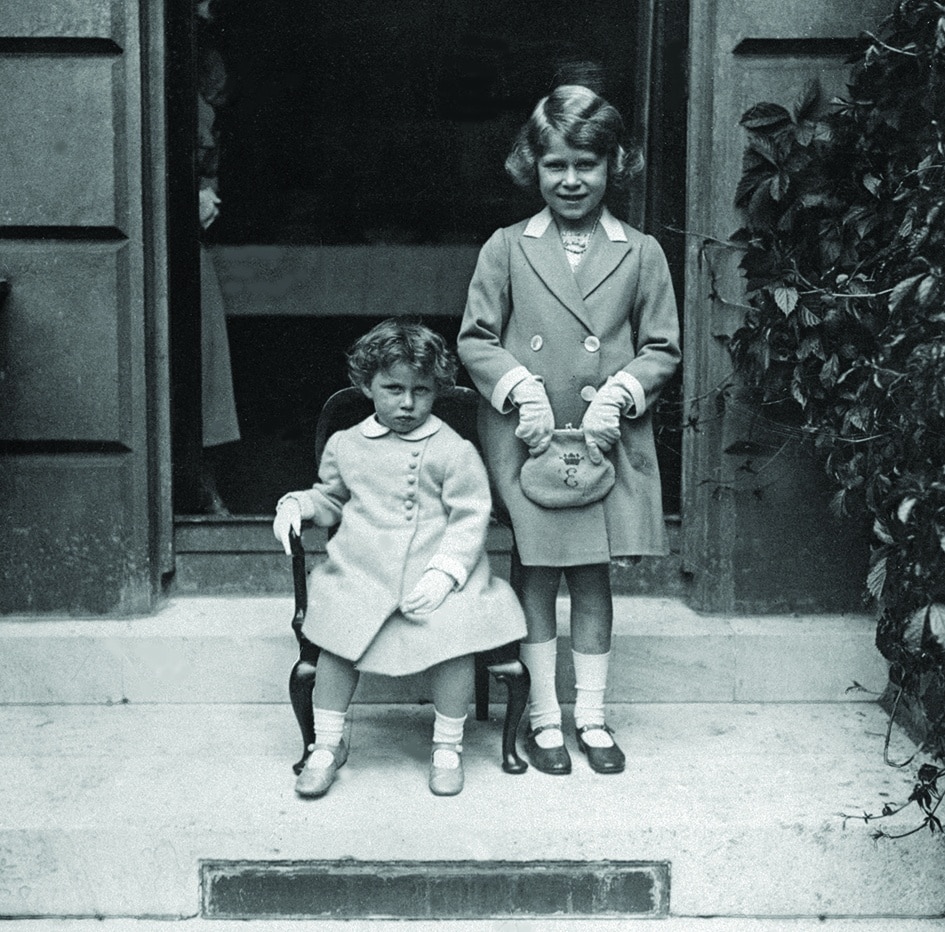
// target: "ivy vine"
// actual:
[[844, 259]]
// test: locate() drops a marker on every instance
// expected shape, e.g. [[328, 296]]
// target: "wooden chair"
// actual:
[[457, 408]]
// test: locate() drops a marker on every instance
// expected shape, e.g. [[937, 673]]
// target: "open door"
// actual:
[[84, 452]]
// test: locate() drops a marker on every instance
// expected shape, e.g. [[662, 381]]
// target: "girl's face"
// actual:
[[403, 398], [572, 181]]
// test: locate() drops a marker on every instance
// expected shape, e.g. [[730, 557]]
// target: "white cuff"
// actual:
[[451, 566], [500, 394], [632, 384]]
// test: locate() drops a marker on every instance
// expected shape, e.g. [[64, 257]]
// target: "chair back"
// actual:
[[457, 407]]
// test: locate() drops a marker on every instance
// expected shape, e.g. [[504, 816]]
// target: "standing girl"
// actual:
[[571, 321], [406, 586]]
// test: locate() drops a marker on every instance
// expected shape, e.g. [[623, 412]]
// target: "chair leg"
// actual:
[[482, 690], [301, 683], [514, 674]]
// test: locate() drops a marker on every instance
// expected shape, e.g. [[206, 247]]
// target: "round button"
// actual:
[[408, 504], [411, 465], [592, 344], [588, 392], [411, 480], [409, 517], [414, 452], [537, 342]]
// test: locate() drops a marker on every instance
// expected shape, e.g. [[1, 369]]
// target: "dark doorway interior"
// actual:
[[378, 123]]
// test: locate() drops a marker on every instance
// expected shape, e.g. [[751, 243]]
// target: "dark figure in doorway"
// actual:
[[220, 425]]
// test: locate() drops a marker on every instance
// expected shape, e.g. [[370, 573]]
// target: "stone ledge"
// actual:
[[240, 649]]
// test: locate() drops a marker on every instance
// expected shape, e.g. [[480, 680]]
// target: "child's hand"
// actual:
[[536, 420], [428, 594], [288, 516], [601, 422], [209, 207]]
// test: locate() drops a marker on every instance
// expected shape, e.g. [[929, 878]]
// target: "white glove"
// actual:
[[288, 516], [209, 207], [536, 420], [601, 422], [428, 594]]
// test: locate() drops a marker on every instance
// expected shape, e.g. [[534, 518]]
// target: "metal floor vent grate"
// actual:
[[349, 889]]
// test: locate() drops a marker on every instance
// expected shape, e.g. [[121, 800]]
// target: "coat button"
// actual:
[[408, 504], [537, 342], [592, 344], [588, 392], [411, 480]]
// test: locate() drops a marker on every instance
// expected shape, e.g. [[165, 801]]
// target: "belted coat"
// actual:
[[403, 503], [528, 312]]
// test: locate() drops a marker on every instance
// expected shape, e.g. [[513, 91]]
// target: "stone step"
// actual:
[[110, 811], [239, 556], [670, 924], [240, 649]]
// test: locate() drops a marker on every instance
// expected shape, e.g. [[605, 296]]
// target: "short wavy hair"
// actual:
[[585, 121], [401, 340]]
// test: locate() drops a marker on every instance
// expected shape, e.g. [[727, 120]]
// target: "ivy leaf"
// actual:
[[876, 580], [786, 298], [829, 370], [766, 116], [904, 511], [881, 532], [806, 106], [808, 317], [914, 629], [937, 622], [872, 184], [925, 290], [901, 290]]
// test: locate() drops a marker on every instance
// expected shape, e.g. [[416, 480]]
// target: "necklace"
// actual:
[[575, 243]]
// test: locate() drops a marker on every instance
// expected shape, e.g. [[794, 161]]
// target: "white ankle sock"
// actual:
[[329, 726], [590, 676], [447, 730], [543, 709]]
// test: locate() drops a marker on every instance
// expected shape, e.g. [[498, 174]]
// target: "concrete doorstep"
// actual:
[[110, 811], [239, 649]]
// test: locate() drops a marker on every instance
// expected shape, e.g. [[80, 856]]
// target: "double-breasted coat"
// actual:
[[403, 503], [528, 312]]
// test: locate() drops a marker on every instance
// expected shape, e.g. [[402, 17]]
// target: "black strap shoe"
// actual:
[[554, 760], [602, 760]]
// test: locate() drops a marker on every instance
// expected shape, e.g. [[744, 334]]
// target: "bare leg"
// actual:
[[592, 617], [592, 607], [336, 682], [539, 595], [452, 685]]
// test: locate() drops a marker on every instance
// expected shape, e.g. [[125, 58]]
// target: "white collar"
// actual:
[[372, 427], [537, 225]]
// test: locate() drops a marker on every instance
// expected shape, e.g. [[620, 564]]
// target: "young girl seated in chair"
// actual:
[[406, 585]]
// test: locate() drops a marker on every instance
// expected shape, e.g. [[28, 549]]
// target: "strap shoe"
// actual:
[[554, 760], [320, 769], [446, 780], [603, 760]]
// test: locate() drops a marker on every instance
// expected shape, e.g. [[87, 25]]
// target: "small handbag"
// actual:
[[564, 476]]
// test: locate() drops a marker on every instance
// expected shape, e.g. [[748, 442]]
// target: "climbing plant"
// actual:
[[844, 258]]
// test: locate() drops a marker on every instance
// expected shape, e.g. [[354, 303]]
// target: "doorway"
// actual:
[[362, 145]]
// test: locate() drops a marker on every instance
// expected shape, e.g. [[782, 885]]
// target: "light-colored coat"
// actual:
[[527, 311], [405, 503]]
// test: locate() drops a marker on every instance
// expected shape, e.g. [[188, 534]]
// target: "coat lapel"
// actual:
[[542, 249], [544, 253], [607, 251]]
